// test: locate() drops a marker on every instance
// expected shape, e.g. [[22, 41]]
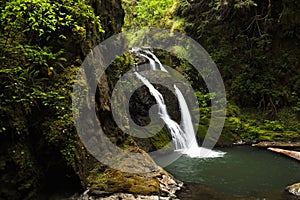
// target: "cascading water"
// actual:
[[152, 62], [176, 132], [156, 60], [186, 120], [184, 138]]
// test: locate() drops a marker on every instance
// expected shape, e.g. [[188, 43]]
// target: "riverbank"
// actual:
[[277, 144]]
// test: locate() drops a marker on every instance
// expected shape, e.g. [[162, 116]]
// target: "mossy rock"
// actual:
[[294, 189], [226, 138], [162, 140], [203, 134], [112, 181]]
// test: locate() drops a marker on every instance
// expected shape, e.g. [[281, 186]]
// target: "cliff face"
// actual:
[[150, 180], [40, 151], [111, 16]]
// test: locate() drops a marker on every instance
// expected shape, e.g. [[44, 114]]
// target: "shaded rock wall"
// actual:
[[40, 151]]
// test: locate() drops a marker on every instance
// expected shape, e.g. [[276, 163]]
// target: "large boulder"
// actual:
[[152, 179]]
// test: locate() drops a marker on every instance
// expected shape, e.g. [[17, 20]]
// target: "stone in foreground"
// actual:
[[294, 189]]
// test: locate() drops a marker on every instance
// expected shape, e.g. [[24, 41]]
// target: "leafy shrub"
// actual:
[[273, 125]]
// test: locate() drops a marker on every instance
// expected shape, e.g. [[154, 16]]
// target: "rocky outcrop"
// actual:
[[40, 151], [294, 189], [103, 182], [140, 106], [134, 186], [155, 181], [158, 185], [292, 154], [277, 144]]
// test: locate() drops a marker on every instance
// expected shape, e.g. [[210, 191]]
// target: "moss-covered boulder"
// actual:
[[113, 181], [154, 182]]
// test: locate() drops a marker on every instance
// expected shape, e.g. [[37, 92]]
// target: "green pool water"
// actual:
[[243, 173]]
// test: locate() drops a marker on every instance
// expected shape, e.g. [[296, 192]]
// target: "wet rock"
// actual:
[[294, 189], [118, 196], [277, 144], [239, 142], [169, 186], [141, 100], [292, 154]]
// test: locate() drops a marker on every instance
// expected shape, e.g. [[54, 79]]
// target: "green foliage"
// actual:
[[39, 44], [203, 98], [296, 108], [144, 13], [32, 36], [253, 125], [273, 125], [245, 39], [27, 84], [204, 102], [43, 20], [245, 4]]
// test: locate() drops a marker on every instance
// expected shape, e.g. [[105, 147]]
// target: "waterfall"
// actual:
[[175, 130], [156, 60], [184, 137], [186, 119], [152, 62]]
